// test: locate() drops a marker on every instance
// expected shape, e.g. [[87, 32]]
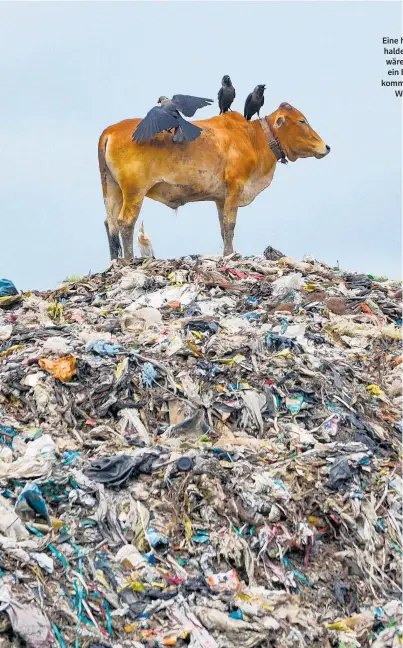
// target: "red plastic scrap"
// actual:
[[240, 275], [335, 518]]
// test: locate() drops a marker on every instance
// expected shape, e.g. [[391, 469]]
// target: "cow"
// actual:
[[231, 162]]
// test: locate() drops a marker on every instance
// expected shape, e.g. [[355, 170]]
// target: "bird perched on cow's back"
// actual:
[[145, 245], [167, 116], [226, 94], [254, 102]]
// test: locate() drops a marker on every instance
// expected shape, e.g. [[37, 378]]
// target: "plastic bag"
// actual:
[[138, 319], [283, 285], [103, 348], [62, 369], [7, 288], [10, 524], [32, 497], [56, 345], [27, 621]]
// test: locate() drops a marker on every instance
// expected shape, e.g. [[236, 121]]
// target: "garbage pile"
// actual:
[[202, 452]]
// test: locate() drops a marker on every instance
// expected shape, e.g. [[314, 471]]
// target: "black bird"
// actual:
[[226, 94], [167, 116], [254, 102]]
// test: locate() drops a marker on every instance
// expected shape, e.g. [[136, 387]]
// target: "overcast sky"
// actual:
[[68, 70]]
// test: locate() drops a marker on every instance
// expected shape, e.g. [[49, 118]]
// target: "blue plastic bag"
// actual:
[[32, 496], [148, 374], [7, 288], [103, 348]]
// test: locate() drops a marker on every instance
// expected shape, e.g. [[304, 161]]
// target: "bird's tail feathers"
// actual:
[[190, 131]]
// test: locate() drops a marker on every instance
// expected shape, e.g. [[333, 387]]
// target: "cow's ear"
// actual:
[[279, 121]]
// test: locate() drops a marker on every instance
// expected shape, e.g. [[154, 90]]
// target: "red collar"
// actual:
[[274, 142]]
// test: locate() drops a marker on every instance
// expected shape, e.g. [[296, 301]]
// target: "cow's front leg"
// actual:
[[220, 210], [228, 216], [127, 220]]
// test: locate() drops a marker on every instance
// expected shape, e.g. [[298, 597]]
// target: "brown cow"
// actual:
[[231, 162]]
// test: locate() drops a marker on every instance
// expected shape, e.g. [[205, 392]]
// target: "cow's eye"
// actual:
[[302, 121]]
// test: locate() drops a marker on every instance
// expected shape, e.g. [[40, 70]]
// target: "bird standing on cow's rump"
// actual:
[[226, 94]]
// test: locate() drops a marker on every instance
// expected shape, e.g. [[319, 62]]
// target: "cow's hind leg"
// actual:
[[128, 216], [113, 199]]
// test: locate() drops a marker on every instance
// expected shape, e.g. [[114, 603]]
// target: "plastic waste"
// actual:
[[7, 288], [283, 285], [117, 471], [63, 369], [340, 472], [27, 621], [103, 348], [224, 472], [32, 497], [56, 345]]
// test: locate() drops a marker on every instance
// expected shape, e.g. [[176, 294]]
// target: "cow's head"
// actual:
[[295, 135]]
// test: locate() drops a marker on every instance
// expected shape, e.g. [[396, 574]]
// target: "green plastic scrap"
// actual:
[[60, 556], [294, 404], [58, 635], [105, 605], [296, 573]]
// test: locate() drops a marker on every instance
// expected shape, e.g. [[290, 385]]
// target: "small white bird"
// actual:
[[145, 245]]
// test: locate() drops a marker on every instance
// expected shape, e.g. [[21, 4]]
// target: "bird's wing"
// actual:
[[188, 105], [220, 94], [248, 99], [155, 121]]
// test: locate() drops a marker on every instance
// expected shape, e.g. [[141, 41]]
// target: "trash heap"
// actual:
[[202, 452]]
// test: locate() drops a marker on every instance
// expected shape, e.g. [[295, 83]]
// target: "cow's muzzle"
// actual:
[[321, 154]]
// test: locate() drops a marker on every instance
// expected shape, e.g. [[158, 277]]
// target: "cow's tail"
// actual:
[[112, 199]]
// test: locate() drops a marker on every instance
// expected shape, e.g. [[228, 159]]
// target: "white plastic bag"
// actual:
[[283, 285]]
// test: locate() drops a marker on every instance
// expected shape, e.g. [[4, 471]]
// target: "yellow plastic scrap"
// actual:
[[364, 619], [99, 576], [7, 300], [10, 350], [122, 366], [173, 277], [188, 527], [134, 585], [56, 312], [63, 368], [194, 348], [285, 354], [310, 287], [375, 390], [315, 521], [237, 359]]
